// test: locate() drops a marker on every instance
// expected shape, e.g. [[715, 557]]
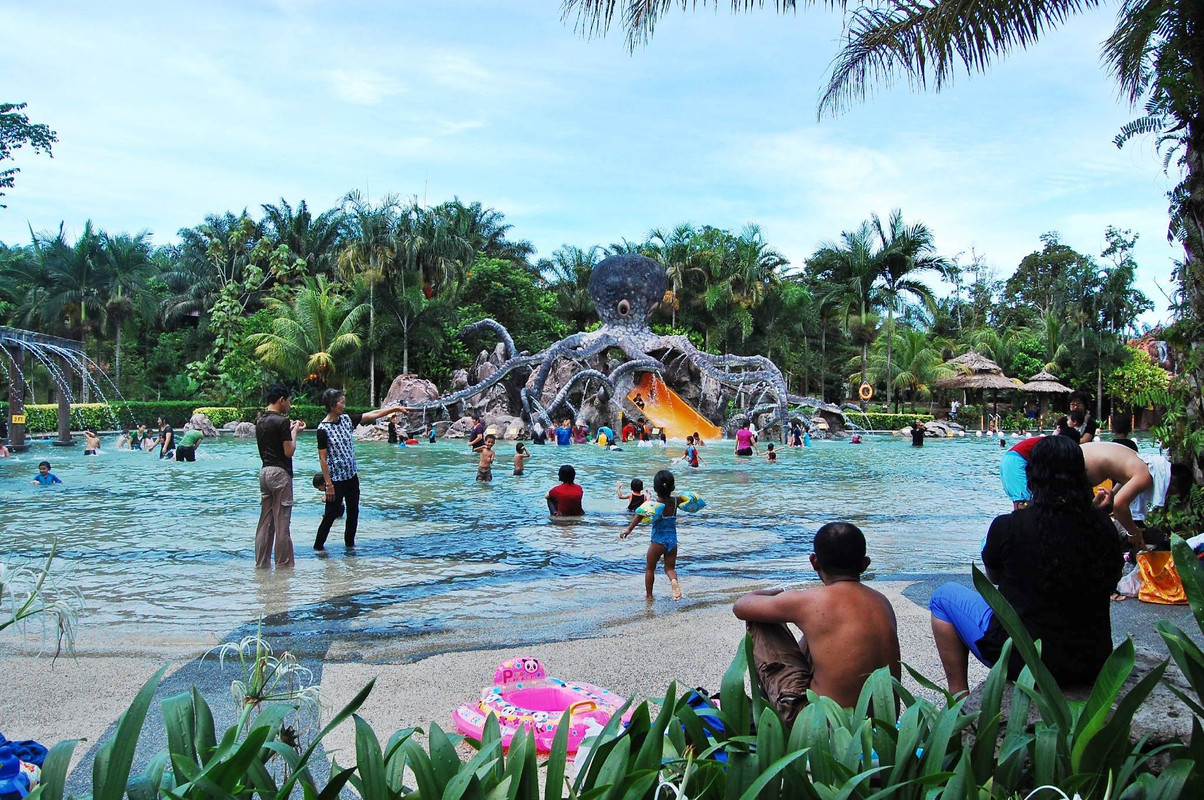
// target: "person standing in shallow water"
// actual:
[[336, 455], [276, 438]]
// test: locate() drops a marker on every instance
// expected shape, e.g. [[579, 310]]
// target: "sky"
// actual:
[[169, 111]]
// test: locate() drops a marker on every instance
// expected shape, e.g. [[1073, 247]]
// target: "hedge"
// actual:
[[880, 421], [44, 417]]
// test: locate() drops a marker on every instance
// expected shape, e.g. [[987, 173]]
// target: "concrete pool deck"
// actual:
[[82, 697]]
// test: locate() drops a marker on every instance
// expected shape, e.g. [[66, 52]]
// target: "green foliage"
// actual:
[[44, 418], [882, 421], [1137, 377], [509, 293], [16, 131], [890, 744]]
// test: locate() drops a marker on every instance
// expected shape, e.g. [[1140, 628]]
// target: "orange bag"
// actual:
[[1160, 581]]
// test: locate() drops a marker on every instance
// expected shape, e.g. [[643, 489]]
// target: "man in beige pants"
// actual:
[[277, 440]]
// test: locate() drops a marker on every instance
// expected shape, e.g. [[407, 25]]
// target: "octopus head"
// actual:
[[627, 289]]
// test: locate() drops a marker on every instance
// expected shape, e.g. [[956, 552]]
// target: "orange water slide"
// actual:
[[664, 408]]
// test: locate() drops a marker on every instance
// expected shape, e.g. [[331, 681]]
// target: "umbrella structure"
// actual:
[[1045, 385], [977, 372]]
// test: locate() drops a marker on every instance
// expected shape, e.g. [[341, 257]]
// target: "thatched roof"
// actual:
[[1045, 383], [977, 372], [978, 380], [973, 361]]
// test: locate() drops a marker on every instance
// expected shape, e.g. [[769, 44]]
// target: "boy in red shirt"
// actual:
[[564, 500]]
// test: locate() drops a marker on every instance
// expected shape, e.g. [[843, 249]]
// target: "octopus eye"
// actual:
[[624, 308]]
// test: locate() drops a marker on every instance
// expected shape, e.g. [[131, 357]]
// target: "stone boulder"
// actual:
[[244, 430], [459, 429], [1163, 716], [459, 380], [231, 426], [200, 422], [406, 389], [372, 432]]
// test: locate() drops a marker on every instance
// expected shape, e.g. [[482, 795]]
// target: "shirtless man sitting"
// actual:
[[849, 630], [1130, 476]]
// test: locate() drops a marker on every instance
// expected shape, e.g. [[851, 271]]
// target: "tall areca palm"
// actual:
[[848, 271], [126, 266], [569, 270], [906, 250], [314, 240], [677, 252], [314, 336], [368, 252]]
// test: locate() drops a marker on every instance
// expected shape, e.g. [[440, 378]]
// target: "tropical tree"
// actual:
[[314, 336], [568, 272], [917, 364], [314, 240], [16, 131], [126, 267], [906, 250], [369, 251]]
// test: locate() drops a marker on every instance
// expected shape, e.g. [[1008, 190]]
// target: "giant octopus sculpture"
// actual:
[[626, 290]]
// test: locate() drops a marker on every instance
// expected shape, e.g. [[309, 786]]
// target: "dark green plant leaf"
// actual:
[[114, 772]]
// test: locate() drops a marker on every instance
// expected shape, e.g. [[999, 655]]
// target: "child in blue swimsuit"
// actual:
[[664, 534]]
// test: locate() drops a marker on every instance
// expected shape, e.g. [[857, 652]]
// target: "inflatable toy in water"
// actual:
[[523, 696], [650, 510]]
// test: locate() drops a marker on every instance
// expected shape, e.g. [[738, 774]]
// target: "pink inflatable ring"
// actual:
[[523, 696]]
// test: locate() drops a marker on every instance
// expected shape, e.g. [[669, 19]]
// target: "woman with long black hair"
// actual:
[[1056, 561]]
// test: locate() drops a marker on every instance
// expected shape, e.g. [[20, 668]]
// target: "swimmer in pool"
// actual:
[[521, 454], [564, 499], [636, 497]]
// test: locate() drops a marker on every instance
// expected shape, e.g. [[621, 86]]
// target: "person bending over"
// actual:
[[1056, 561], [1133, 486], [849, 630]]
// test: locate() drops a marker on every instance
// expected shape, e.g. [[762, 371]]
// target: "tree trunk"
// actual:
[[117, 359], [371, 345], [405, 344], [890, 331]]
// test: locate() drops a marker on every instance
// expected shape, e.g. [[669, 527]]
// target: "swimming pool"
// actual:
[[163, 550]]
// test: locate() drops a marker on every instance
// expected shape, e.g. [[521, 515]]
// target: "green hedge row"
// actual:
[[44, 417], [880, 421]]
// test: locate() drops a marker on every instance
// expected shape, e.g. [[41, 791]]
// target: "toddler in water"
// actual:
[[521, 454], [637, 497], [771, 454], [45, 477], [664, 534]]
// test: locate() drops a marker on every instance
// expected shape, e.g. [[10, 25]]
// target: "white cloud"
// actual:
[[363, 87]]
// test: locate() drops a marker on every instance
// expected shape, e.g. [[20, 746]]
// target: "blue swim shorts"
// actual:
[[1013, 471], [966, 611]]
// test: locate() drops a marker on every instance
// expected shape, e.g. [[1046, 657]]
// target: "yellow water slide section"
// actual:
[[664, 408]]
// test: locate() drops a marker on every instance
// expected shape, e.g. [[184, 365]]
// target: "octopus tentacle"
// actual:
[[518, 362], [496, 327], [579, 346]]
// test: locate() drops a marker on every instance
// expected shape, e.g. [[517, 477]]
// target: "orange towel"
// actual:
[[1159, 579]]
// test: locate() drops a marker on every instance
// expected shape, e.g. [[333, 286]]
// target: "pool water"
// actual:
[[163, 551]]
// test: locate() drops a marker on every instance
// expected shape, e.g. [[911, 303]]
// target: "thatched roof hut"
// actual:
[[1045, 383], [977, 372]]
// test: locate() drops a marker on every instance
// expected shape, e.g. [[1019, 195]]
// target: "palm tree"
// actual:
[[126, 267], [368, 252], [918, 361], [906, 250], [677, 252], [314, 336], [314, 240], [848, 271], [569, 270]]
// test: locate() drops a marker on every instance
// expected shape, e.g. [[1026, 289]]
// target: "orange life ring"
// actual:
[[866, 392]]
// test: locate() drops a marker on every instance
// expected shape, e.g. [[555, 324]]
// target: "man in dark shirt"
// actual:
[[167, 439], [1089, 427], [917, 434], [277, 440], [564, 499]]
